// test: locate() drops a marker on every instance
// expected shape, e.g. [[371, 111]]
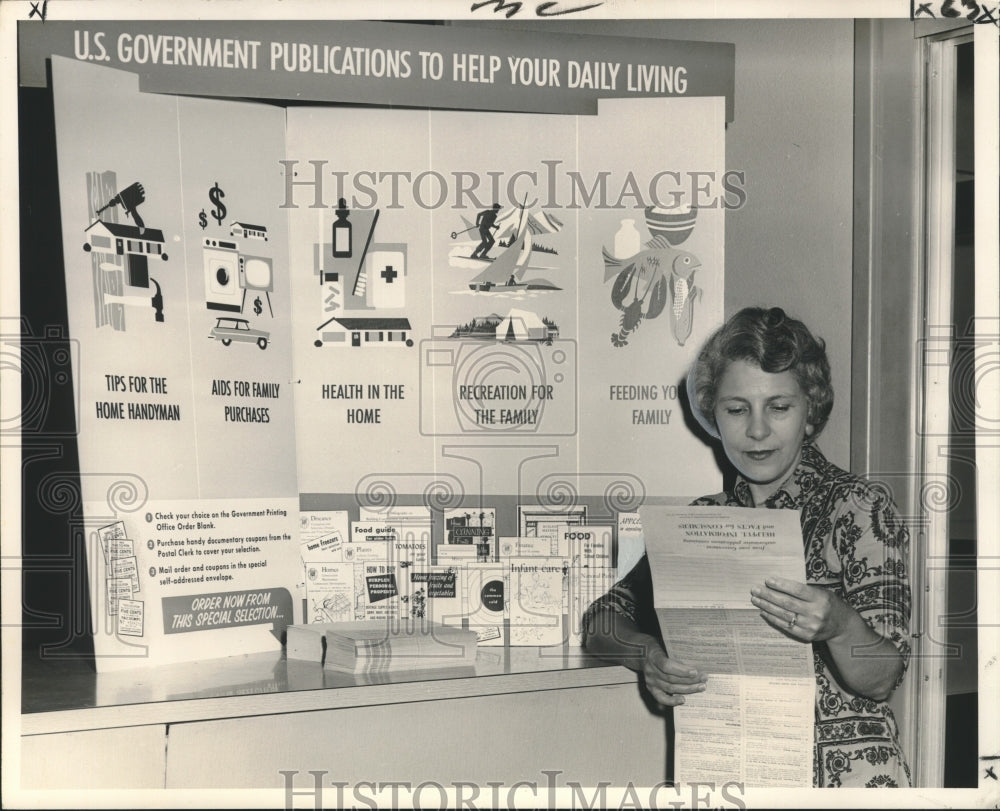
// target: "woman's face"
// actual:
[[762, 420]]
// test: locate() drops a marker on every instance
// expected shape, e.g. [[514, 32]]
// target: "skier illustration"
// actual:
[[486, 223]]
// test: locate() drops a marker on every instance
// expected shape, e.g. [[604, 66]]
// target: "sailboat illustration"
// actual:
[[506, 272]]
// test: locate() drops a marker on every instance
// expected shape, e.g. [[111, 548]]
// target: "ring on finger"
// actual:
[[793, 620]]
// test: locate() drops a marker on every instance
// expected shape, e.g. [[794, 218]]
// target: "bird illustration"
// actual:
[[642, 286]]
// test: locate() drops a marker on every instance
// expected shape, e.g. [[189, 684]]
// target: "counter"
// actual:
[[239, 722]]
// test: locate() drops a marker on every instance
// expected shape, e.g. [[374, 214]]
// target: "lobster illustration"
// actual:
[[642, 285]]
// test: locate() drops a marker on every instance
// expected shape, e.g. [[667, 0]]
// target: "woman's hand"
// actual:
[[808, 613], [669, 680], [868, 663], [614, 637]]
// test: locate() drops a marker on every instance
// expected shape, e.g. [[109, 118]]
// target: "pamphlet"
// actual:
[[537, 588], [475, 528], [476, 598], [754, 721]]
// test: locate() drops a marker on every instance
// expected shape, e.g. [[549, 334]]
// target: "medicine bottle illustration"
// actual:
[[342, 233]]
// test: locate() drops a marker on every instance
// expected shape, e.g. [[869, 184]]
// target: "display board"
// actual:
[[389, 306]]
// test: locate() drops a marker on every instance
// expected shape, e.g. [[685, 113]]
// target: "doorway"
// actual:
[[924, 371]]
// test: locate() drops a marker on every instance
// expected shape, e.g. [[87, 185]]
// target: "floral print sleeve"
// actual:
[[872, 544], [855, 545]]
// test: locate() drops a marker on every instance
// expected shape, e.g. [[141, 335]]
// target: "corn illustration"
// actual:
[[683, 292]]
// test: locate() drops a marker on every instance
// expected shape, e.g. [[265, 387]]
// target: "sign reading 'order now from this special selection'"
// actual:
[[502, 299]]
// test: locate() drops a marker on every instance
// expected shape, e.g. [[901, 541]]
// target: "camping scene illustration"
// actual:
[[506, 249], [518, 326], [654, 278]]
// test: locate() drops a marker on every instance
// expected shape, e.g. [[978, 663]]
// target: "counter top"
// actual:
[[67, 695]]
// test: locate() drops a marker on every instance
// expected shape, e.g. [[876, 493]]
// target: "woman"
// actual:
[[761, 385]]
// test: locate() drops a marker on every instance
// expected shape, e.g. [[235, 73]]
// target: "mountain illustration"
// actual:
[[536, 221], [514, 225]]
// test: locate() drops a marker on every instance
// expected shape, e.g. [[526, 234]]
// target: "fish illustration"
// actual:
[[641, 285]]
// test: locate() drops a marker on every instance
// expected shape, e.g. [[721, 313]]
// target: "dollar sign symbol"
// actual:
[[257, 306], [215, 194], [202, 220]]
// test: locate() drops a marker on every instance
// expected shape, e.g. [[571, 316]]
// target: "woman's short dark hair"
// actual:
[[776, 343]]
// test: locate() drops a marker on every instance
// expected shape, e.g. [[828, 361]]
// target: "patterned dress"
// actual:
[[856, 546]]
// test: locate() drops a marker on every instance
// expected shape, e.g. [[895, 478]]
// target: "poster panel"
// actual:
[[176, 278]]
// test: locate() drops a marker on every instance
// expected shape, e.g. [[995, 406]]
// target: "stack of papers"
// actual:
[[378, 647]]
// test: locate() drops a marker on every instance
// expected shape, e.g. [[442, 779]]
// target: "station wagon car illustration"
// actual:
[[228, 330]]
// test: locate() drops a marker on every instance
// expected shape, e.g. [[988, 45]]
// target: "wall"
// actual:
[[791, 244]]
